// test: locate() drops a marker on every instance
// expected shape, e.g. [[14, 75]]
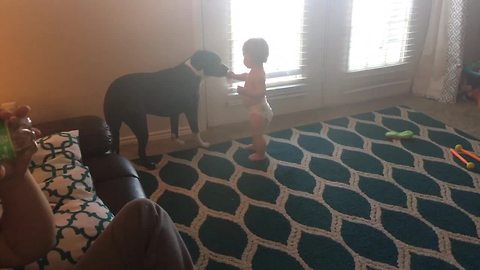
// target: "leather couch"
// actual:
[[115, 180]]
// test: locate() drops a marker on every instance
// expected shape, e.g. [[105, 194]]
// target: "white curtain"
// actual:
[[439, 69]]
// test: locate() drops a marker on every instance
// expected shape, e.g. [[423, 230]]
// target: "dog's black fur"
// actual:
[[168, 92]]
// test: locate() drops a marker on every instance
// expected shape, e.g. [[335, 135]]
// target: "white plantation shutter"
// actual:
[[380, 33], [281, 23]]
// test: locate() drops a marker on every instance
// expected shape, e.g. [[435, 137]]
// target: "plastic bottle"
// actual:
[[16, 137]]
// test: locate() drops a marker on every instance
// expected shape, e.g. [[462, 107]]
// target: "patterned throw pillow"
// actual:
[[80, 215], [78, 224], [75, 183], [57, 155]]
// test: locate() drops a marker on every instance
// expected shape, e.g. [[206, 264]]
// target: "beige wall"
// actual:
[[59, 56]]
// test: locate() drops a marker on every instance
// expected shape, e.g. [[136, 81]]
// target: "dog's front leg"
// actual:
[[177, 140], [174, 129], [193, 123], [201, 142]]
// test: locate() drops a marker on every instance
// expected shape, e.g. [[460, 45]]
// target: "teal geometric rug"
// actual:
[[332, 195]]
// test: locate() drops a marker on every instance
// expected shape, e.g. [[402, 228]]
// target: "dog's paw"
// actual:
[[204, 144], [148, 164], [181, 142], [201, 142]]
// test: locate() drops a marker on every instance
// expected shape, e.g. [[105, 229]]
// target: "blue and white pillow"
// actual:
[[57, 154], [80, 215]]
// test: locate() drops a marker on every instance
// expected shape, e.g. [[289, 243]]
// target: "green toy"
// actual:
[[407, 134]]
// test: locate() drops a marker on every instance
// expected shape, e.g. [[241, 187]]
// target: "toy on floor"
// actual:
[[407, 134], [469, 165], [459, 149]]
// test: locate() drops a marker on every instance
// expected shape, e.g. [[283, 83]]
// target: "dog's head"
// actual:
[[208, 62]]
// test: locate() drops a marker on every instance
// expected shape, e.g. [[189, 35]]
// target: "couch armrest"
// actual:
[[94, 135], [115, 180]]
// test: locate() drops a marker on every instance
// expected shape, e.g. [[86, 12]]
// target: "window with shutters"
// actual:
[[281, 24], [322, 52], [380, 34]]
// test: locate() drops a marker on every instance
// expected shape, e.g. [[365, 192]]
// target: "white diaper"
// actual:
[[263, 109]]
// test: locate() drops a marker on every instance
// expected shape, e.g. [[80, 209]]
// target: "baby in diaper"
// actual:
[[253, 94]]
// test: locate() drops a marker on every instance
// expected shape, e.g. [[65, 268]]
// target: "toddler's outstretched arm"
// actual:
[[238, 77]]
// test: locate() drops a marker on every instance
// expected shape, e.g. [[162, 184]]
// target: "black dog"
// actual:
[[168, 92]]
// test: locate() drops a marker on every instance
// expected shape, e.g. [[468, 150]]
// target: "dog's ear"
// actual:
[[196, 60]]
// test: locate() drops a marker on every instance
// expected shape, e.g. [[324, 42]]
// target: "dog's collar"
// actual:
[[195, 71]]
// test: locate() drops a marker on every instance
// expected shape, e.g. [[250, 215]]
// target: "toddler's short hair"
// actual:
[[257, 48]]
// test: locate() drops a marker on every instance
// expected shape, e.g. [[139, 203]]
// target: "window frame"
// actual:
[[371, 71], [283, 82]]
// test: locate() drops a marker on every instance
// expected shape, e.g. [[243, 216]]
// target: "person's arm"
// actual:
[[27, 229], [238, 77]]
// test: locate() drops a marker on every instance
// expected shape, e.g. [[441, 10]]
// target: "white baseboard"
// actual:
[[156, 135]]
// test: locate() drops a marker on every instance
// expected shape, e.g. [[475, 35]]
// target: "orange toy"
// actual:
[[460, 149], [469, 165]]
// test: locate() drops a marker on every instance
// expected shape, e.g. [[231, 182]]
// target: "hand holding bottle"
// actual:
[[17, 142]]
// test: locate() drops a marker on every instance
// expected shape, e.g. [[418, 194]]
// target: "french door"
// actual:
[[372, 47]]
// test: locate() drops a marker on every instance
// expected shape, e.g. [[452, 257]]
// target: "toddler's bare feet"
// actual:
[[249, 147], [256, 157]]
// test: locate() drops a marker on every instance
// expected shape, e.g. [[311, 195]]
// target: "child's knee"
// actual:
[[146, 212], [141, 205]]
